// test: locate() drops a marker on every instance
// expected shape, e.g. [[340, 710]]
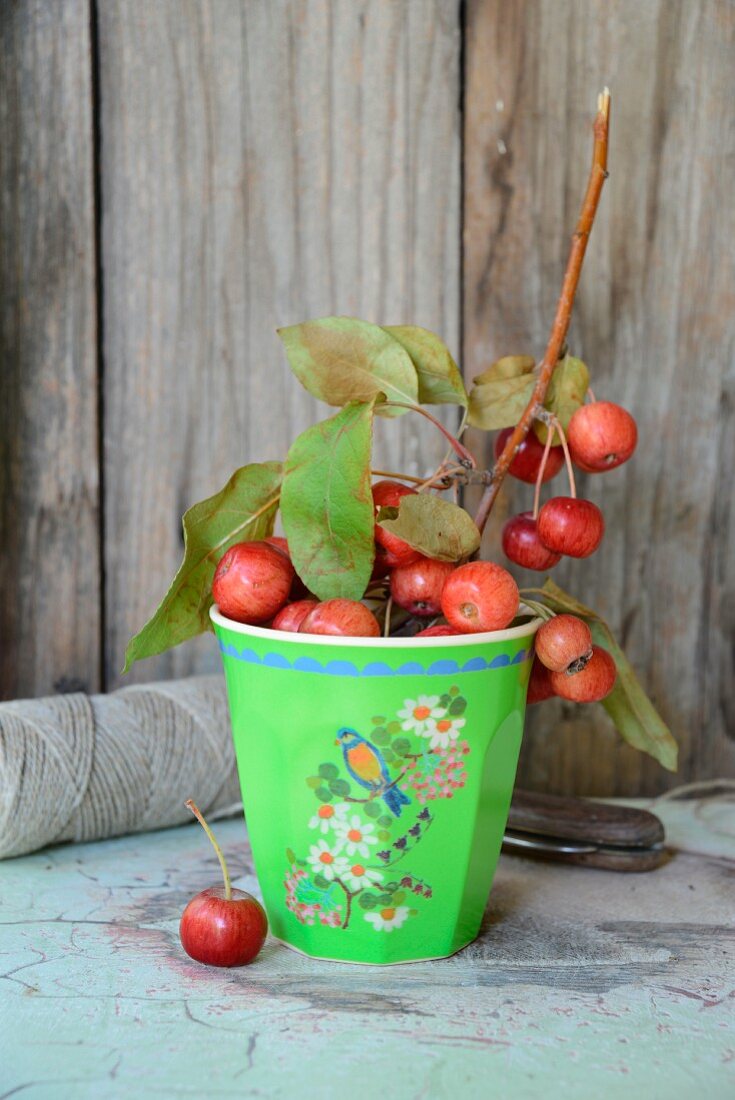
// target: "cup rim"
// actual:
[[525, 630]]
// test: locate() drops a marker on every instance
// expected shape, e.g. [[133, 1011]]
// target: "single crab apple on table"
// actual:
[[370, 553]]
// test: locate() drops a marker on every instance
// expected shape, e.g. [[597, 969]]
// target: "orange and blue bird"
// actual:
[[365, 763]]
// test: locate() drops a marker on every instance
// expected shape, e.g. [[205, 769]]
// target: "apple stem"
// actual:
[[542, 467], [388, 609], [558, 334], [465, 457], [567, 458], [190, 805], [591, 395]]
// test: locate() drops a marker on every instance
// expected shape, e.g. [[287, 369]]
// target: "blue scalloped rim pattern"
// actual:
[[442, 667]]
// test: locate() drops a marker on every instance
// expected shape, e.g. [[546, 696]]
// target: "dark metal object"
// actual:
[[585, 832]]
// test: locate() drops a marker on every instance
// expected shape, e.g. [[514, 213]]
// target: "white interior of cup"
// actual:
[[524, 630]]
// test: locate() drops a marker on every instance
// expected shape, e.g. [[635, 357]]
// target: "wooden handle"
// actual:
[[585, 820]]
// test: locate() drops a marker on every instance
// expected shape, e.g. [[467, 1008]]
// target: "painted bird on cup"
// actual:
[[365, 763]]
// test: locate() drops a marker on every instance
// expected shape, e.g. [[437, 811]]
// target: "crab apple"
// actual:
[[563, 642], [441, 630], [299, 591], [601, 436], [539, 684], [280, 543], [290, 617], [592, 683], [348, 618], [417, 587], [391, 551], [527, 459], [480, 596], [523, 546], [568, 525], [222, 926], [252, 582]]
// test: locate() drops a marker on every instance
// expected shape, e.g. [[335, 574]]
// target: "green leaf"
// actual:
[[321, 882], [568, 385], [501, 393], [509, 366], [458, 706], [323, 794], [384, 835], [290, 855], [631, 710], [245, 509], [380, 736], [367, 900], [433, 526], [327, 504], [328, 771], [440, 382], [385, 821], [401, 745], [399, 896], [314, 781], [339, 787], [342, 359], [372, 809]]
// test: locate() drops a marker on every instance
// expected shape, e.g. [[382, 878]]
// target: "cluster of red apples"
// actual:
[[255, 582]]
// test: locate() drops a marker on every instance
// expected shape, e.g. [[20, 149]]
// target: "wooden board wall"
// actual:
[[262, 163], [654, 320], [49, 489]]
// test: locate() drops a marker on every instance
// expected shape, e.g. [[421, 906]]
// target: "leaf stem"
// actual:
[[557, 336], [466, 457], [190, 805]]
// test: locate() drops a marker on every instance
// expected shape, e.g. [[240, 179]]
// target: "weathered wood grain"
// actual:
[[49, 500], [581, 984], [654, 320], [261, 163]]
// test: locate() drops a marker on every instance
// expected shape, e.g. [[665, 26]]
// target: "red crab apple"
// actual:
[[349, 618], [594, 682], [299, 591], [441, 630], [523, 546], [252, 582], [564, 643], [290, 617], [601, 436], [390, 551], [417, 587], [480, 596], [539, 685], [527, 459], [222, 926], [568, 525]]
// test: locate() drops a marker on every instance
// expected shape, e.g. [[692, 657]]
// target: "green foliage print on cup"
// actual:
[[371, 810]]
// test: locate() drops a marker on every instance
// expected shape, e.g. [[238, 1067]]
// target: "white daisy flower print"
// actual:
[[325, 860], [328, 816], [417, 712], [355, 837], [385, 920], [358, 876], [443, 732]]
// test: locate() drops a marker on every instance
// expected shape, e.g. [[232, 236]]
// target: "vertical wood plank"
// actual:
[[261, 163], [49, 501], [654, 320]]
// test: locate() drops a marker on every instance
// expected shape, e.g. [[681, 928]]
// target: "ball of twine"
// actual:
[[79, 767]]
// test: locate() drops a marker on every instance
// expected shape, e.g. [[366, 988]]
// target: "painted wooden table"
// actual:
[[583, 984]]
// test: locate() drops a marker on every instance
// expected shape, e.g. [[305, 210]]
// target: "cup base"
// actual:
[[365, 962]]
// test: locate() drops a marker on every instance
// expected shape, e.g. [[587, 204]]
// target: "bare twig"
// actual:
[[597, 177]]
